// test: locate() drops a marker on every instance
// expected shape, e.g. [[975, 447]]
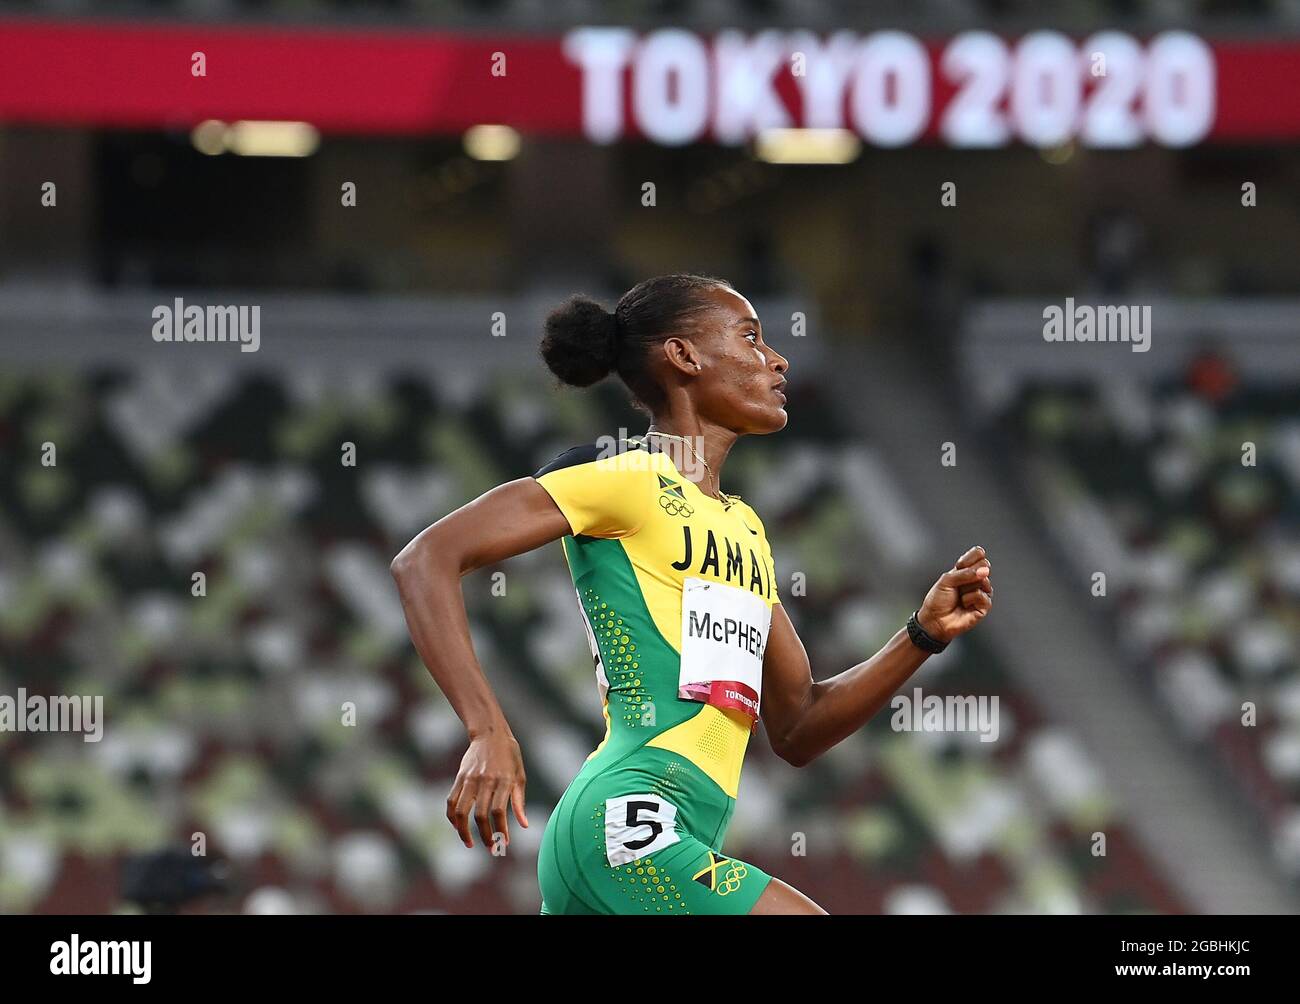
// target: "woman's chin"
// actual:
[[772, 421], [760, 421]]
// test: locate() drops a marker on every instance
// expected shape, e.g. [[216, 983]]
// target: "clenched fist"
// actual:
[[960, 599]]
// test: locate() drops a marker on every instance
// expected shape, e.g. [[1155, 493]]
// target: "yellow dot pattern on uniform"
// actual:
[[649, 887], [619, 657]]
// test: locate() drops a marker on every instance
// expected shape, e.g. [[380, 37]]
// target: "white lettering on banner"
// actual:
[[683, 86], [724, 636], [746, 99], [670, 91], [603, 54], [890, 94], [822, 88]]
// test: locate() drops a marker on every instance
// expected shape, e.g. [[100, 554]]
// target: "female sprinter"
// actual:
[[678, 593]]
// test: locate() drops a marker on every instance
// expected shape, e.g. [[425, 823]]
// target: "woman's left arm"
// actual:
[[806, 717]]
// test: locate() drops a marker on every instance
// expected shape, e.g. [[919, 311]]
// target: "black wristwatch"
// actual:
[[921, 638]]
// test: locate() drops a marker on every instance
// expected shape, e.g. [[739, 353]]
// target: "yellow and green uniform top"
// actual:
[[667, 577]]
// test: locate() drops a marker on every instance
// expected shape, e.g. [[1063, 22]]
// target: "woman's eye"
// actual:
[[754, 335]]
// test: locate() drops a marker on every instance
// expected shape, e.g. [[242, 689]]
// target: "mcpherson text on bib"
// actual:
[[724, 635]]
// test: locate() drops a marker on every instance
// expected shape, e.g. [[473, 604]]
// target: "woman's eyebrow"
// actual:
[[748, 320]]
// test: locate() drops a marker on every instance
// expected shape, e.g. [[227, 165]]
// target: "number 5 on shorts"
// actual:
[[637, 825]]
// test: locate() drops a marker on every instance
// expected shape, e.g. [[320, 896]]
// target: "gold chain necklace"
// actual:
[[722, 496]]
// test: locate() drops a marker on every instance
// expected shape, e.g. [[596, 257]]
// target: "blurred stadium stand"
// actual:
[[1206, 553], [1179, 476]]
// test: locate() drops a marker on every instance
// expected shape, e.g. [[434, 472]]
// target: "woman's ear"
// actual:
[[681, 354]]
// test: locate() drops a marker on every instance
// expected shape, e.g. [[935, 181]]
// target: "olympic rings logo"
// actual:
[[731, 880], [675, 507]]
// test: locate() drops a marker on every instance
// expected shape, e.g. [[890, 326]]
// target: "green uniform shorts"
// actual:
[[643, 837]]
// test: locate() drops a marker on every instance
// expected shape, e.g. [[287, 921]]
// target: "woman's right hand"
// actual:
[[491, 776]]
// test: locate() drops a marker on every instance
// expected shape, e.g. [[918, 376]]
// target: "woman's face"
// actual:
[[741, 381]]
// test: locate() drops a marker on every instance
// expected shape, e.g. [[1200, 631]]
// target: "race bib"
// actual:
[[724, 634], [638, 825]]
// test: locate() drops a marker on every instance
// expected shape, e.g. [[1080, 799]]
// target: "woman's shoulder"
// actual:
[[603, 493], [572, 457], [605, 454]]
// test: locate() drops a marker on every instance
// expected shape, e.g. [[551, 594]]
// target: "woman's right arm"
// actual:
[[508, 520]]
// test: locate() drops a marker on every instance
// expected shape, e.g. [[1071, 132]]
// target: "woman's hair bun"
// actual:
[[580, 341]]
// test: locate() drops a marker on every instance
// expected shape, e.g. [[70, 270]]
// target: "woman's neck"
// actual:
[[701, 456]]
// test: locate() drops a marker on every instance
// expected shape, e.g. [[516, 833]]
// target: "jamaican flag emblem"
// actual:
[[672, 499], [730, 879]]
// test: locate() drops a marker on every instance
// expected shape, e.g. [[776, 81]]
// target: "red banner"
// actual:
[[137, 76], [668, 86]]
